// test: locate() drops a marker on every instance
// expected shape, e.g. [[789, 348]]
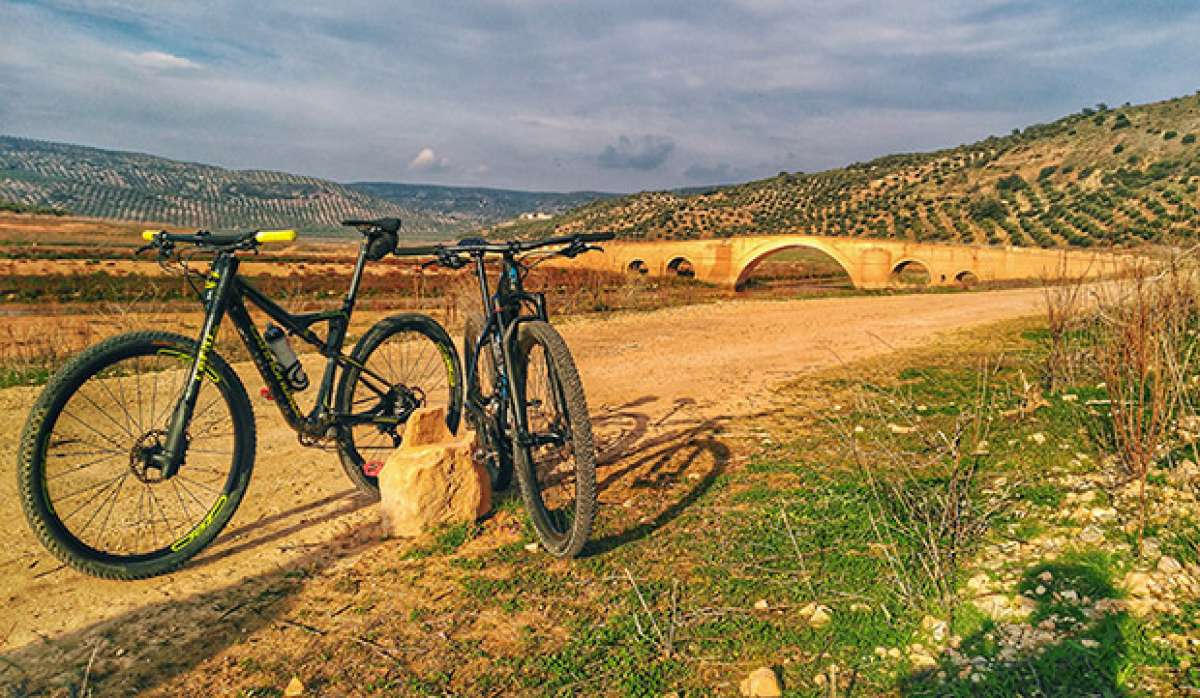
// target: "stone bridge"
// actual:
[[870, 263]]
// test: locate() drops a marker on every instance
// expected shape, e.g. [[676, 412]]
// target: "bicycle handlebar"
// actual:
[[479, 246], [204, 238]]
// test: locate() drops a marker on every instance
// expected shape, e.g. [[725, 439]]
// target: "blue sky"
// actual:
[[557, 95]]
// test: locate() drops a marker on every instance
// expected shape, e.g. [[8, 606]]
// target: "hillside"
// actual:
[[133, 186], [1099, 176], [482, 204]]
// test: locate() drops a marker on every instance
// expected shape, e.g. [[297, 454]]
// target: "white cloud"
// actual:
[[160, 60], [428, 161]]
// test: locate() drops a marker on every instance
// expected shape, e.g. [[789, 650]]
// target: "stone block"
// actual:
[[432, 479]]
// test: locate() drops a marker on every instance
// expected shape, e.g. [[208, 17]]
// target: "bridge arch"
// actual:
[[681, 266], [910, 271], [756, 256]]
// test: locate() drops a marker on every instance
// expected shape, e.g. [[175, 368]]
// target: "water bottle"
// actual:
[[293, 372]]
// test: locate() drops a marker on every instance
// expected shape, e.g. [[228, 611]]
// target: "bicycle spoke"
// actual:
[[80, 467]]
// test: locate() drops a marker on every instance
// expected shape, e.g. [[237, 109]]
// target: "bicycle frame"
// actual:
[[503, 316], [225, 293]]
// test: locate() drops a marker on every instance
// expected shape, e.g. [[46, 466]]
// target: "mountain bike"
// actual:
[[523, 394], [139, 450]]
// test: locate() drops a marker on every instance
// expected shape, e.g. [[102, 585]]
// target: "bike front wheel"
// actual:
[[556, 468], [88, 486]]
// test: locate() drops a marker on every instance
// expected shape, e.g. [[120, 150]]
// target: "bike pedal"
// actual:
[[372, 468], [266, 393]]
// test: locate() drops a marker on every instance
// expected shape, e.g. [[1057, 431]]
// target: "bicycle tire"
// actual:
[[51, 407], [490, 433], [560, 540], [349, 452]]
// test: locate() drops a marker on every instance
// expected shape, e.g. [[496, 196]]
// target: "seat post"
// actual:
[[359, 265]]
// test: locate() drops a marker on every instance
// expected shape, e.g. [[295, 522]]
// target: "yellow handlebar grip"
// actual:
[[275, 235], [149, 235]]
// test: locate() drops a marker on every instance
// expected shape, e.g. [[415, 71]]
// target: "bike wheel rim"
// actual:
[[94, 487]]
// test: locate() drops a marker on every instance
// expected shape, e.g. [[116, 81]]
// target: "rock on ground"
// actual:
[[432, 478]]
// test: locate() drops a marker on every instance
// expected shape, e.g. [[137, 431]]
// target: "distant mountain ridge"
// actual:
[[1100, 176], [136, 186], [485, 204]]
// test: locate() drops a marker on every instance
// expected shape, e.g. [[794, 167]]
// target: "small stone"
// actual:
[[900, 429], [894, 652], [762, 683], [294, 688], [531, 547], [921, 661], [761, 605], [1040, 590], [1046, 576], [1038, 438], [816, 615], [1169, 565], [1091, 535], [860, 607], [1025, 605], [1089, 643], [935, 627], [1069, 397], [980, 583]]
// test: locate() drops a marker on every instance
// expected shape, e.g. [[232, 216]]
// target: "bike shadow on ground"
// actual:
[[147, 646], [258, 533], [650, 469]]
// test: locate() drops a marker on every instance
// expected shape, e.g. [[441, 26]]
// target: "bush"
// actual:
[[1121, 121], [988, 208], [1189, 139], [1169, 135], [1012, 182], [1047, 171], [1118, 148]]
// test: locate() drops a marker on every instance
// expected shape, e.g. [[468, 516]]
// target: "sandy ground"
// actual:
[[641, 370]]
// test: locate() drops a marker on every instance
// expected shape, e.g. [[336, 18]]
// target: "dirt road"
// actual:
[[712, 361]]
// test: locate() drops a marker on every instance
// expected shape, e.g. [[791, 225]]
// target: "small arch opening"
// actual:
[[637, 266], [966, 279], [681, 266], [911, 273]]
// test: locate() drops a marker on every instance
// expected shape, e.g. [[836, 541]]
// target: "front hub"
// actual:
[[145, 455]]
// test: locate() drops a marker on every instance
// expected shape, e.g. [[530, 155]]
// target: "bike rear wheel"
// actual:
[[87, 486], [557, 471], [417, 359]]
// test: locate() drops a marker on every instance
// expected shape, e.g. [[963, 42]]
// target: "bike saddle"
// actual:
[[387, 225]]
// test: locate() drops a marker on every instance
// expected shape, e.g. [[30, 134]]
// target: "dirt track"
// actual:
[[711, 361]]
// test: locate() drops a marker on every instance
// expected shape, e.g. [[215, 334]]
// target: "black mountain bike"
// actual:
[[139, 450], [523, 394]]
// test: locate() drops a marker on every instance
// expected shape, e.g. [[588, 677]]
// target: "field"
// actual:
[[863, 494]]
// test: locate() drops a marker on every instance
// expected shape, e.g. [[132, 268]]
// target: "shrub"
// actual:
[[1189, 139], [1047, 171], [1010, 183], [987, 208], [1169, 135], [1121, 121], [1118, 148]]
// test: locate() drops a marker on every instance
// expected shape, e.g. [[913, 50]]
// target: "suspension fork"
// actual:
[[216, 297]]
